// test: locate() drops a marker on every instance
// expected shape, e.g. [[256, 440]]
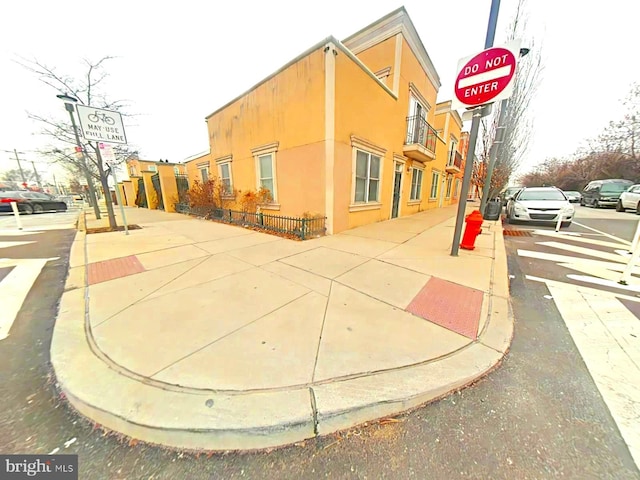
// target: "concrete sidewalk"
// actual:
[[201, 335]]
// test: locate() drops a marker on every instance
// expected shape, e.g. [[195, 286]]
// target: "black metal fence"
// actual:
[[301, 227], [182, 182]]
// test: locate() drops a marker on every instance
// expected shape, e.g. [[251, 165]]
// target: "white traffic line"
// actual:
[[613, 237], [17, 233], [13, 244], [579, 239], [609, 348], [580, 288], [16, 286], [634, 287], [554, 257], [612, 257]]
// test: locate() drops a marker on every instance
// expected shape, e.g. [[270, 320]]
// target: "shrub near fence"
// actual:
[[301, 227]]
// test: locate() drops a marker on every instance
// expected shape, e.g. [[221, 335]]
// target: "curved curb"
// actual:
[[254, 420]]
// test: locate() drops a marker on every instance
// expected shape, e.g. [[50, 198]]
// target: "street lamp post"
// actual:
[[69, 105]]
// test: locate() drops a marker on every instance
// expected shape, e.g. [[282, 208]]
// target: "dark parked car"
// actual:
[[30, 202], [574, 197], [604, 193]]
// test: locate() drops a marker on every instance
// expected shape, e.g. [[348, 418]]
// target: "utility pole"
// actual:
[[493, 154], [36, 174], [475, 125], [24, 180]]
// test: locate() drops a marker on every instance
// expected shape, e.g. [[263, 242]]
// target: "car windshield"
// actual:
[[571, 193], [541, 195], [614, 187]]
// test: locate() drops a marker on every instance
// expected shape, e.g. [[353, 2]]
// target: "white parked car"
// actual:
[[629, 199], [540, 204]]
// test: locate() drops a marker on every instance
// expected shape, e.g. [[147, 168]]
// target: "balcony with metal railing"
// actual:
[[420, 142], [454, 165]]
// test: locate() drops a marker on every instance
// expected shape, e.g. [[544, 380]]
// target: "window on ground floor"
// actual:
[[367, 177], [266, 173], [456, 192], [224, 170], [204, 174], [435, 180], [416, 184], [449, 184]]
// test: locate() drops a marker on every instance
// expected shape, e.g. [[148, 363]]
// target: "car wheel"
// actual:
[[619, 207], [565, 224], [27, 209], [37, 208], [582, 202], [596, 204], [638, 209]]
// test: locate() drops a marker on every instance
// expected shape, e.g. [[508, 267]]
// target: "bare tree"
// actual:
[[517, 122], [87, 89]]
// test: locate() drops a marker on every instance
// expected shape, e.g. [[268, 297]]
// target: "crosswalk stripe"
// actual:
[[613, 365], [13, 244], [612, 257], [16, 286], [589, 241]]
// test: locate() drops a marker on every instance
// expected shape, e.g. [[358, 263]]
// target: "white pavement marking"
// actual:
[[13, 244], [609, 349], [587, 290], [604, 282], [552, 233], [590, 241], [17, 233], [583, 251], [554, 257], [603, 233], [16, 286]]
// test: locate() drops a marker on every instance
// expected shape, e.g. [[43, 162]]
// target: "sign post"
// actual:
[[482, 79]]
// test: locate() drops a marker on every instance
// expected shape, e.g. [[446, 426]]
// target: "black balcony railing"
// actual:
[[419, 131], [455, 160]]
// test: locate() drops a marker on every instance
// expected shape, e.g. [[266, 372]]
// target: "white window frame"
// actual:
[[220, 162], [449, 185], [153, 168], [370, 148], [132, 171], [453, 148], [416, 195], [176, 170], [261, 151], [435, 182], [205, 167]]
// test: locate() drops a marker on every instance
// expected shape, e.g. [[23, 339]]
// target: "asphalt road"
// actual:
[[538, 416]]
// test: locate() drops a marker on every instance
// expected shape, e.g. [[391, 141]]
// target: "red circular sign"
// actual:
[[485, 76]]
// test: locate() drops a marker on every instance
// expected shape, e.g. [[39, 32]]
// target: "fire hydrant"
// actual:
[[474, 222]]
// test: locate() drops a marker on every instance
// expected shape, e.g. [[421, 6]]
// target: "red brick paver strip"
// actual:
[[449, 305], [115, 268]]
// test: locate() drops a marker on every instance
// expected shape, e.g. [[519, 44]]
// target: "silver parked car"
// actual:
[[540, 204], [629, 199]]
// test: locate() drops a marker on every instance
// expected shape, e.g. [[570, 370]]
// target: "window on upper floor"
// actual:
[[453, 148], [176, 171], [153, 168]]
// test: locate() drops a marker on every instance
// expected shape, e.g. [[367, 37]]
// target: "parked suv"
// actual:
[[604, 193]]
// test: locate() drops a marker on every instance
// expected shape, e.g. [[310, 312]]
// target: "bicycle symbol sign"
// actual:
[[101, 125]]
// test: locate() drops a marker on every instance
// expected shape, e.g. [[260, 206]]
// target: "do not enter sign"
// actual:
[[486, 77]]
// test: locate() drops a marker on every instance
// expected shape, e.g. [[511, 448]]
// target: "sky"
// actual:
[[176, 62]]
